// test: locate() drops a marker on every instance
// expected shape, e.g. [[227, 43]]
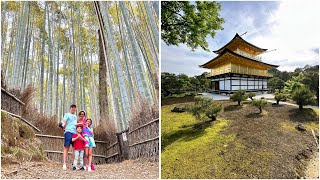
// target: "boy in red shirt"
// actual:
[[78, 145]]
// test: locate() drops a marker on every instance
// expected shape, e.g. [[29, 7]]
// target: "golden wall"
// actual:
[[237, 68]]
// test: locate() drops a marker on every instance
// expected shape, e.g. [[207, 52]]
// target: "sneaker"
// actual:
[[89, 169], [82, 168], [74, 168], [64, 167]]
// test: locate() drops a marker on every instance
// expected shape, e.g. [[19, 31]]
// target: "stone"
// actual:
[[300, 127], [178, 109]]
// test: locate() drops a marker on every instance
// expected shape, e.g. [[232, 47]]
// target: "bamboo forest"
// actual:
[[101, 56]]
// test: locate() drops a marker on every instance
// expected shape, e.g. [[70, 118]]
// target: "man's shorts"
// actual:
[[68, 139], [91, 143]]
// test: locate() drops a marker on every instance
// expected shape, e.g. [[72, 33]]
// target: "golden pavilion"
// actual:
[[238, 66]]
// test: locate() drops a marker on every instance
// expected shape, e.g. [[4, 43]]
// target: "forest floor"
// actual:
[[240, 144], [129, 169]]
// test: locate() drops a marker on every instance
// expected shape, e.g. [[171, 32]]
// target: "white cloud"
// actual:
[[294, 32]]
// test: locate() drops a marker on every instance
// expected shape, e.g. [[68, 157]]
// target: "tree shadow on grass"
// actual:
[[192, 131], [254, 115], [232, 108], [305, 115]]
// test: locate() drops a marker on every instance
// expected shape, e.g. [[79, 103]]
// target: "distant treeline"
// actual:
[[177, 84], [286, 81]]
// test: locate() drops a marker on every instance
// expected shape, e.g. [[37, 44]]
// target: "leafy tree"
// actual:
[[183, 22], [195, 83], [283, 75], [259, 103], [204, 106], [302, 96], [251, 95], [311, 80], [169, 83], [239, 96], [204, 81], [184, 80], [309, 68], [294, 83], [278, 96], [276, 83]]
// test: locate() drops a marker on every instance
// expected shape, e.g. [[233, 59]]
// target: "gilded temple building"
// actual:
[[238, 66]]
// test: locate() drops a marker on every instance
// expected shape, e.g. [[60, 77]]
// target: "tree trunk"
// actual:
[[141, 79], [3, 27], [152, 21], [103, 93], [10, 49], [300, 107], [75, 84], [239, 103], [42, 61], [213, 118], [57, 69], [50, 82]]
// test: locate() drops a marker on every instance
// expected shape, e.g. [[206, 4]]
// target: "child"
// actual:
[[78, 145], [88, 135], [82, 119]]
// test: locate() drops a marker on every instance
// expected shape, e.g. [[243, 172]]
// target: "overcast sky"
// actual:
[[290, 27]]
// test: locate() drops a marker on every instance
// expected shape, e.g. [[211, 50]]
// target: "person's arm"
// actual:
[[64, 124], [91, 130], [73, 139], [64, 121], [83, 139]]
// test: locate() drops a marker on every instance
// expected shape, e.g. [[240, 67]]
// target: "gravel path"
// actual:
[[258, 96], [312, 171], [128, 169]]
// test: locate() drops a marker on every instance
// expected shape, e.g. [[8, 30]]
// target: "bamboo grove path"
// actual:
[[129, 169], [49, 169]]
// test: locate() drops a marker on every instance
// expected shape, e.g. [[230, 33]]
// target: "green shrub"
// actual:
[[302, 96], [259, 103], [213, 111], [278, 96], [239, 96], [251, 95], [204, 106]]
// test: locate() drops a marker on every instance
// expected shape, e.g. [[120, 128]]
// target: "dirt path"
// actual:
[[53, 170], [312, 171]]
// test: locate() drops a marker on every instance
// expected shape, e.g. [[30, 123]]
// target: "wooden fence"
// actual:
[[10, 103], [144, 141], [53, 146], [123, 144]]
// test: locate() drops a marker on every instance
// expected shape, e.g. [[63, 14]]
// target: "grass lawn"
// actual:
[[240, 144]]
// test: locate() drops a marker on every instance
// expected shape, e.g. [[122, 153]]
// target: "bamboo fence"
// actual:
[[144, 141], [123, 144], [53, 146], [10, 103]]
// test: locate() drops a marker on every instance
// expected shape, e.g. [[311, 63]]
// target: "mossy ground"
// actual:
[[18, 141], [241, 144], [186, 143]]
